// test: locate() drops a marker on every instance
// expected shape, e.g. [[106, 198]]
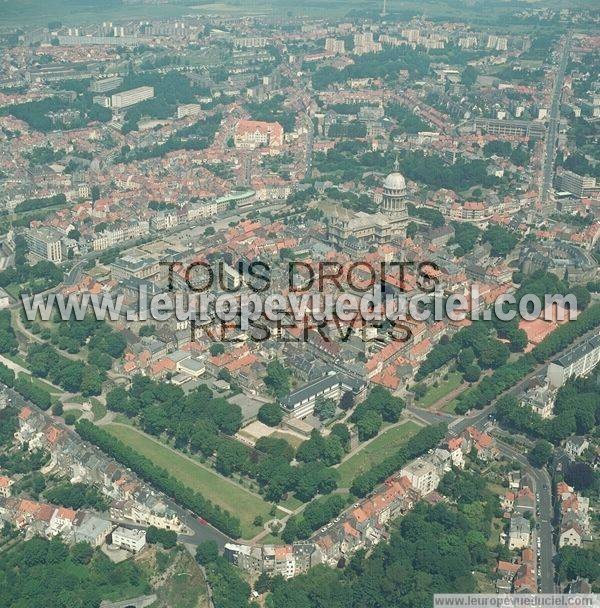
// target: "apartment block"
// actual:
[[579, 361], [131, 539], [45, 243], [125, 99]]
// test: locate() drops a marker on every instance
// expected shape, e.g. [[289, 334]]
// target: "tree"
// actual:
[[419, 390], [465, 358], [342, 433], [71, 417], [368, 426], [469, 76], [472, 373], [347, 401], [582, 295], [147, 330], [274, 446], [166, 538], [270, 414], [263, 583], [581, 476], [278, 379], [82, 552], [216, 349], [324, 408], [540, 454], [206, 552]]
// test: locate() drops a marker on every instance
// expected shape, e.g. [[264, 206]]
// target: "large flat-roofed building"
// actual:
[[45, 243], [301, 402], [496, 126], [129, 98], [423, 475], [103, 85], [92, 530], [130, 539], [577, 184], [577, 362]]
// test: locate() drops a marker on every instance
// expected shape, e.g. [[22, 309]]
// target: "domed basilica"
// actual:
[[360, 230]]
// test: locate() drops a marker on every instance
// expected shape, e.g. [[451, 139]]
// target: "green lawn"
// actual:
[[72, 411], [375, 452], [53, 390], [98, 409], [227, 495], [16, 359], [435, 393], [293, 440], [14, 290], [450, 408]]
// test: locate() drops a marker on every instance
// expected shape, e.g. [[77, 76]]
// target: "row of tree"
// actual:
[[576, 409], [71, 375], [511, 373], [159, 478], [35, 393], [426, 439], [317, 514]]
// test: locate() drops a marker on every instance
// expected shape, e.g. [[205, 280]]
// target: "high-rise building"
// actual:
[[103, 85], [333, 45], [579, 361], [577, 184], [45, 243], [131, 97]]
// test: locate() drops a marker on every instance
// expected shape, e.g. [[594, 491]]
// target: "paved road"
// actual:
[[553, 122], [542, 488]]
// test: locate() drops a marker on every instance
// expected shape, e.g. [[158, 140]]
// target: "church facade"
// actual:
[[360, 230]]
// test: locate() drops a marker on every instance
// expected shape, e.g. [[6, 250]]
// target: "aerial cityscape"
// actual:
[[299, 303]]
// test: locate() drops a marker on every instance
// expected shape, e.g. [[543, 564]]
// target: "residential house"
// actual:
[[519, 533]]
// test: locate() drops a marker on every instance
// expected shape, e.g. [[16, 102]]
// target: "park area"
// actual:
[[221, 491], [375, 452], [439, 392]]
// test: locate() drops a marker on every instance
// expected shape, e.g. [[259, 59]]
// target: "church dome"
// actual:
[[395, 181]]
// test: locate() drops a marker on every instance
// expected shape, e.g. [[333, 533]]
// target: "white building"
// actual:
[[579, 361], [131, 97], [423, 475], [92, 530], [45, 243], [132, 540], [540, 399], [188, 109]]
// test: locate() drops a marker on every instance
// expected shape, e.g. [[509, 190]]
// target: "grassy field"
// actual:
[[450, 408], [227, 495], [98, 409], [375, 452], [435, 393], [293, 440], [53, 390]]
